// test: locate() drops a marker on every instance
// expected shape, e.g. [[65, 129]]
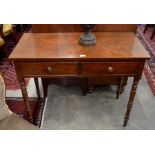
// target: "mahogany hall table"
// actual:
[[48, 55]]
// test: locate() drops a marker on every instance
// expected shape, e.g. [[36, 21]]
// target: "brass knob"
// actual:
[[49, 69], [110, 69]]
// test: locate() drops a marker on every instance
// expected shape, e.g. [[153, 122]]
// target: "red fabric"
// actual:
[[9, 75], [6, 69], [150, 78], [149, 69], [16, 105]]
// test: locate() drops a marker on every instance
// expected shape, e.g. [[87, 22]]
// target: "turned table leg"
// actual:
[[130, 102], [91, 89], [83, 85], [125, 79], [25, 98]]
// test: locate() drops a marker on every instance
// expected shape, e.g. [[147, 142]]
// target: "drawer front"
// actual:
[[109, 68], [49, 68]]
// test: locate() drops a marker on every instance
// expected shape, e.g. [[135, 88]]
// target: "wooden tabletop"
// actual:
[[65, 46]]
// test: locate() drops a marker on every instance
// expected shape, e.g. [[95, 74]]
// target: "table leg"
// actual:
[[37, 88], [131, 99], [45, 86], [25, 98], [124, 84], [91, 89], [83, 85], [119, 90]]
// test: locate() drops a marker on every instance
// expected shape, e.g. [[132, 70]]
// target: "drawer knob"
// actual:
[[49, 69], [110, 69]]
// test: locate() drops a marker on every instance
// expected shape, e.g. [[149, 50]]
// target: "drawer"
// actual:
[[109, 68], [42, 68]]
